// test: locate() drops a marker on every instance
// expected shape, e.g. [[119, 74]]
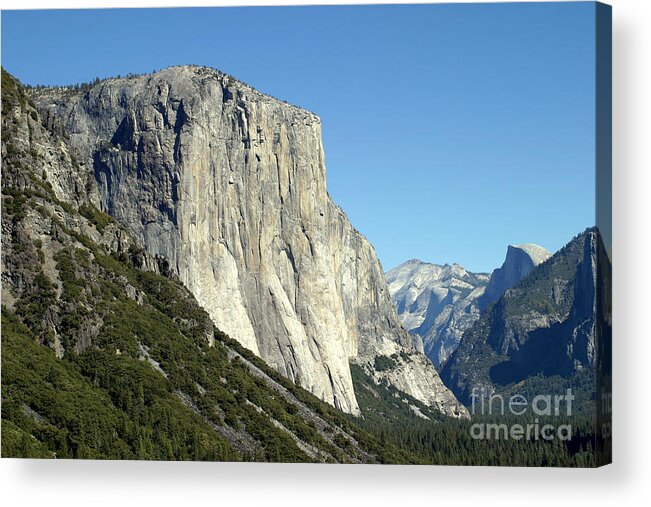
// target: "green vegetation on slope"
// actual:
[[51, 408], [444, 441], [533, 292], [147, 384]]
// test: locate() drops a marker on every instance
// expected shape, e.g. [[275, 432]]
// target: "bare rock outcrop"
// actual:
[[228, 185]]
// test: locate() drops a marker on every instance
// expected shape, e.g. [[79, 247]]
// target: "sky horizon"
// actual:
[[450, 131]]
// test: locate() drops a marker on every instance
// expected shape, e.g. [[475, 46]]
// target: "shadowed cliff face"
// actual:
[[229, 186]]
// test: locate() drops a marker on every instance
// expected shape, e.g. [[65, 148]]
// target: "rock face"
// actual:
[[544, 325], [410, 373], [436, 303], [520, 260], [229, 186]]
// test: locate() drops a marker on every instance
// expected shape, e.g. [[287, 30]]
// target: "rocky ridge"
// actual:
[[437, 303]]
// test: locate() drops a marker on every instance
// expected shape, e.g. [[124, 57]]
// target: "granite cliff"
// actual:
[[228, 186]]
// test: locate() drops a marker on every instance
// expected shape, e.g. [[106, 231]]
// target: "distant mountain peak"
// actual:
[[537, 253], [413, 262], [436, 302], [519, 261]]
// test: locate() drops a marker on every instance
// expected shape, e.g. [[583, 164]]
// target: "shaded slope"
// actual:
[[543, 326]]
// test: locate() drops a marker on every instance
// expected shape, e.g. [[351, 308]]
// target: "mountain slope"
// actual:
[[400, 419], [437, 303], [542, 326], [228, 185], [104, 357]]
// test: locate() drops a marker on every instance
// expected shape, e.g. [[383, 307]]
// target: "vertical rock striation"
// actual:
[[229, 186]]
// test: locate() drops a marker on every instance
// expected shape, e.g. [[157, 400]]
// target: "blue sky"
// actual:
[[450, 130]]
